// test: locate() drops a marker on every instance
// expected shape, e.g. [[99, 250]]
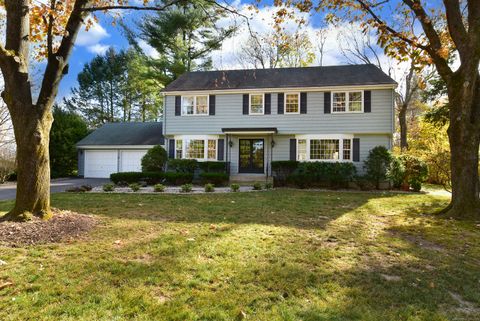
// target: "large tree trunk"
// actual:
[[402, 120], [32, 135], [464, 137]]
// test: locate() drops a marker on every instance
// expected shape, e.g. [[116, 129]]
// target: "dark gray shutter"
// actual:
[[178, 105], [221, 149], [303, 103], [367, 101], [245, 104], [171, 148], [327, 100], [281, 98], [211, 105], [293, 149], [356, 150], [268, 104]]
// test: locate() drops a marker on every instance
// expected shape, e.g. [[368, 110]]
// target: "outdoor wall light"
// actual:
[[230, 143], [273, 143]]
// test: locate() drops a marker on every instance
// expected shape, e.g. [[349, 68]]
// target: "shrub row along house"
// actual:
[[249, 118]]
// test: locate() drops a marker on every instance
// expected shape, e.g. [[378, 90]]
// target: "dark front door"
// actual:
[[251, 156]]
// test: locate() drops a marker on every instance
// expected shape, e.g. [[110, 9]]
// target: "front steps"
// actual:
[[247, 179]]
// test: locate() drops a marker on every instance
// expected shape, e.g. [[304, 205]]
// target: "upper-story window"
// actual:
[[256, 104], [195, 105], [347, 102], [292, 103]]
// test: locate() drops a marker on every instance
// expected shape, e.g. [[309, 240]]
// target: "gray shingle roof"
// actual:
[[149, 133], [348, 75]]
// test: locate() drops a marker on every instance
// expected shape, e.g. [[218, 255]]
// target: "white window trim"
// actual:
[[285, 104], [205, 139], [347, 102], [340, 138], [195, 105], [250, 104]]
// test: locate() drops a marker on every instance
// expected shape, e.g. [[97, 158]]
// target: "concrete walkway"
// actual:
[[9, 190]]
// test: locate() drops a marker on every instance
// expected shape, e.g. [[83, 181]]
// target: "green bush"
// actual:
[[126, 178], [377, 165], [80, 189], [322, 174], [182, 165], [218, 179], [257, 187], [416, 171], [159, 188], [155, 159], [135, 187], [234, 187], [178, 178], [186, 188], [268, 185], [213, 167], [281, 170], [396, 172], [209, 188], [108, 187]]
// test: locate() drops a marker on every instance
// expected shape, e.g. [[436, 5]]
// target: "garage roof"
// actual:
[[134, 133]]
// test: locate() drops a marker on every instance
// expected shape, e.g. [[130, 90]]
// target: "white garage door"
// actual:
[[100, 163], [131, 160]]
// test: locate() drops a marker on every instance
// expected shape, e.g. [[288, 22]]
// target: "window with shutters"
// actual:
[[197, 147], [212, 149], [347, 102], [324, 148], [292, 103], [194, 105], [256, 104], [178, 148]]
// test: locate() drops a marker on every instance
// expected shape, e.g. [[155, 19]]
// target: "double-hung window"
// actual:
[[195, 105], [292, 103], [347, 102], [196, 148], [324, 149], [256, 104]]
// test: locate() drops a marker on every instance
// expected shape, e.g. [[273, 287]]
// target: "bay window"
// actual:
[[195, 105], [350, 101], [196, 147], [256, 104], [327, 148]]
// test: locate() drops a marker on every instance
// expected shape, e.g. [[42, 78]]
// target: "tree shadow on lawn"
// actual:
[[294, 208]]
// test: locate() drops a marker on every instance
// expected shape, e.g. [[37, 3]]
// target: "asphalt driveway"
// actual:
[[9, 190]]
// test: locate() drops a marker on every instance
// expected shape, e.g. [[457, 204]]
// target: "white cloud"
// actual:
[[148, 50], [93, 36], [98, 49]]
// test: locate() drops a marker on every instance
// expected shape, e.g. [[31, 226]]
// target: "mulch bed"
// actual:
[[64, 226]]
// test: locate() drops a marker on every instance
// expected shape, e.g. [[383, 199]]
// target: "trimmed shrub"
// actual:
[[108, 187], [281, 170], [155, 159], [218, 179], [363, 183], [127, 178], [159, 188], [322, 174], [135, 187], [80, 189], [416, 171], [182, 165], [234, 187], [209, 188], [186, 188], [377, 165], [178, 178], [396, 172], [213, 167], [268, 185], [257, 187]]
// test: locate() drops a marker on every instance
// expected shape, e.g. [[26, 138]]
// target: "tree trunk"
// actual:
[[32, 135], [464, 138], [402, 120]]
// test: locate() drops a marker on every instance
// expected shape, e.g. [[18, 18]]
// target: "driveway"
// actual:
[[8, 190]]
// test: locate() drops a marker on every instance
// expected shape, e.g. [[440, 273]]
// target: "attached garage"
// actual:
[[117, 147]]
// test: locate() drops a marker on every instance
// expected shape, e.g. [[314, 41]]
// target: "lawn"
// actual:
[[275, 255]]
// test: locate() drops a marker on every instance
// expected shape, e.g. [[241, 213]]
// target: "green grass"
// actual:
[[274, 255]]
